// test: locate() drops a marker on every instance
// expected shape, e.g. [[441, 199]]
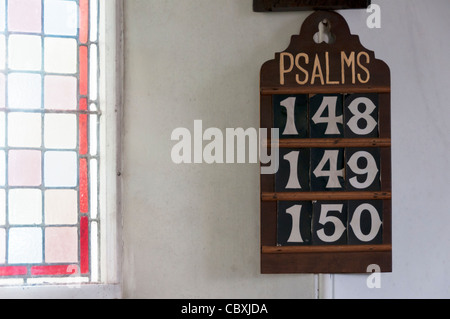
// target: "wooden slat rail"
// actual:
[[329, 142], [325, 249], [323, 90], [310, 196]]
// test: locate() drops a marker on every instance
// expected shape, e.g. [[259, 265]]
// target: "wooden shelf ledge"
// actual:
[[329, 142], [325, 249], [311, 196]]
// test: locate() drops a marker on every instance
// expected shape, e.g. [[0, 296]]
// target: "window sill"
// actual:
[[87, 291]]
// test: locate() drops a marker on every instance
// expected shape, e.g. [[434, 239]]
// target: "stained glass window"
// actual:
[[49, 149]]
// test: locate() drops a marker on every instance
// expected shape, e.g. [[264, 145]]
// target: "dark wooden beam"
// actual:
[[307, 5]]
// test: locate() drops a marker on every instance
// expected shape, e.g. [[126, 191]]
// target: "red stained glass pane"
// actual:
[[84, 20], [13, 271], [84, 196], [83, 129], [83, 104], [54, 270], [84, 70], [84, 245]]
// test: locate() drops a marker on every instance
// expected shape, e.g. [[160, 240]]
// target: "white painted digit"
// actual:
[[295, 236], [332, 120], [370, 121], [292, 158], [339, 227], [371, 170], [356, 223], [333, 174], [290, 128]]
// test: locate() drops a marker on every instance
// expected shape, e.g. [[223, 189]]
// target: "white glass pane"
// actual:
[[60, 55], [60, 169], [11, 281], [61, 244], [93, 64], [93, 188], [60, 131], [70, 282], [25, 15], [61, 207], [60, 92], [2, 129], [94, 20], [25, 206], [2, 207], [2, 245], [60, 17], [24, 52], [93, 134], [24, 129], [2, 168], [94, 252], [24, 245], [2, 52], [2, 90], [24, 90], [24, 167], [2, 15]]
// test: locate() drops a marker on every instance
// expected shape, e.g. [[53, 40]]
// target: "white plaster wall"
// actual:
[[192, 231], [413, 41]]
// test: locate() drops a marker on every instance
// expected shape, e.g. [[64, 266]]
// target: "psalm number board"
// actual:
[[327, 207]]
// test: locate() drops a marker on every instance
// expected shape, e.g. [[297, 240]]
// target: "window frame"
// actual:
[[110, 100]]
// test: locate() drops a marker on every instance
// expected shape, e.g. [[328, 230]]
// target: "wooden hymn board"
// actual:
[[327, 209]]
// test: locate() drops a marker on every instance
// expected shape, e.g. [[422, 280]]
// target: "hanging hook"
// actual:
[[324, 34]]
